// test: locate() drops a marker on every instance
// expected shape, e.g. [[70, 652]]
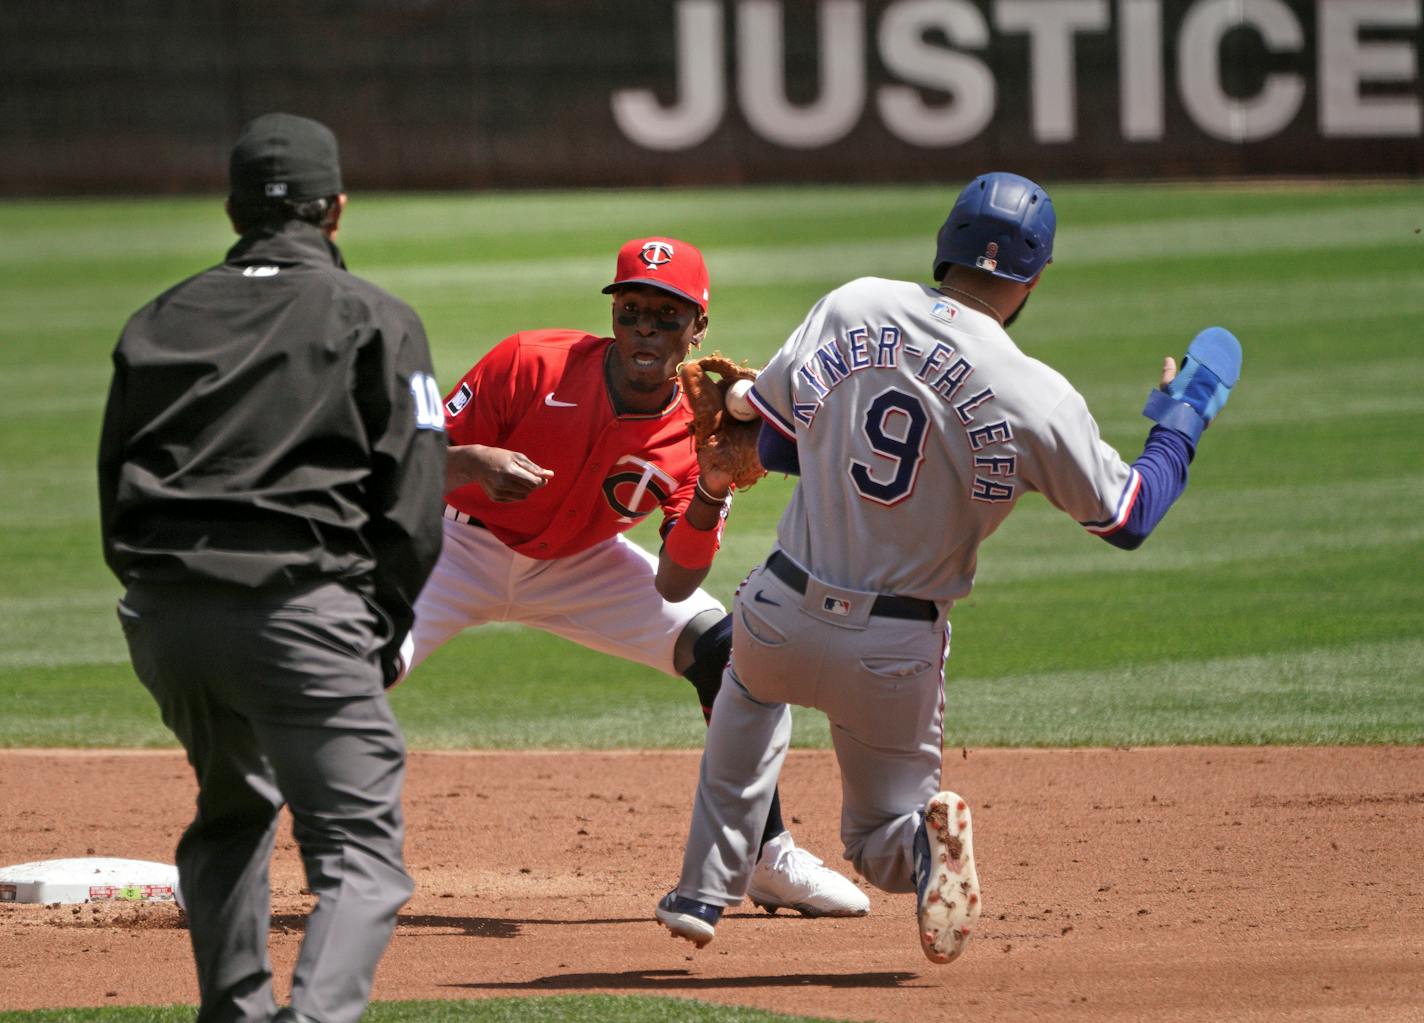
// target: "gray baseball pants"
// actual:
[[880, 682], [278, 700]]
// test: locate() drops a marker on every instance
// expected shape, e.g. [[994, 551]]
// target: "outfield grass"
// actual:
[[1279, 602]]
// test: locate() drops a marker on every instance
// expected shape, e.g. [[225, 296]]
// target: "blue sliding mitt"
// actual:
[[1192, 400]]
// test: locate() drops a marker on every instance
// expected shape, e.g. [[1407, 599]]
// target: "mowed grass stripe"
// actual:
[[1125, 312], [1361, 694], [1038, 545], [910, 255], [1284, 698], [1272, 604], [51, 233]]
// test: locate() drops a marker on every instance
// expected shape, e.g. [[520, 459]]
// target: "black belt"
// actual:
[[455, 515], [885, 605]]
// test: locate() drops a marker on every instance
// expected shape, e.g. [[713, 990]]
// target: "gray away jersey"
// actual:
[[918, 425]]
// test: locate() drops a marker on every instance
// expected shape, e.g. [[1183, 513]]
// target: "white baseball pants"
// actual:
[[602, 598]]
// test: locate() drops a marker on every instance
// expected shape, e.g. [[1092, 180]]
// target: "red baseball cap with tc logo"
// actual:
[[664, 263]]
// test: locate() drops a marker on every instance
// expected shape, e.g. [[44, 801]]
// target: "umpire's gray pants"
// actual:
[[879, 680], [279, 699]]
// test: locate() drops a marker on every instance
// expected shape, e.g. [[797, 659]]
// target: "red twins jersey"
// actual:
[[543, 393]]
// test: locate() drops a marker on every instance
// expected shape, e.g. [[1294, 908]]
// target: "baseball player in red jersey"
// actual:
[[561, 441]]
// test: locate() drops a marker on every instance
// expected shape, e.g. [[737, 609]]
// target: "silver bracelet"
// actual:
[[706, 495]]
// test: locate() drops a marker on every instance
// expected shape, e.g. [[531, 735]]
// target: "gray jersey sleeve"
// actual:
[[1081, 474], [773, 393]]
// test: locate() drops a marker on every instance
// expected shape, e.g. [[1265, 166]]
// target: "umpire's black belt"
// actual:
[[885, 605]]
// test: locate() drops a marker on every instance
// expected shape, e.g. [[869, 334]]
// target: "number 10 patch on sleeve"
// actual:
[[429, 409]]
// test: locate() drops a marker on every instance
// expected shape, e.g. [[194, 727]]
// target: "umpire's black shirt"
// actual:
[[269, 424]]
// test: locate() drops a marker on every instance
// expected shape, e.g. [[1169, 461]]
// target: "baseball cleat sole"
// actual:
[[687, 927], [952, 903]]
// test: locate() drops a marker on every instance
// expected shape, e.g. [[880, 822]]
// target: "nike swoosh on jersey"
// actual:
[[552, 402], [757, 596]]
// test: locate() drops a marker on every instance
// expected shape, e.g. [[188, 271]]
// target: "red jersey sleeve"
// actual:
[[479, 410]]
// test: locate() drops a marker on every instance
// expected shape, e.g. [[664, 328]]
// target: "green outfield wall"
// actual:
[[144, 95]]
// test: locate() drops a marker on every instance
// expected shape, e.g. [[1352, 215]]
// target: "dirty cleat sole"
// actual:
[[680, 916], [949, 901]]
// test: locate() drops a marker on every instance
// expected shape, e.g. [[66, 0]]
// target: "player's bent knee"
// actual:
[[711, 649], [889, 871]]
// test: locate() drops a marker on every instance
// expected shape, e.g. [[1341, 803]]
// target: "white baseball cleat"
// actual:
[[945, 878], [787, 877]]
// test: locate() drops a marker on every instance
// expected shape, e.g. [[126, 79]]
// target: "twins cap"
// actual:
[[664, 263], [283, 156]]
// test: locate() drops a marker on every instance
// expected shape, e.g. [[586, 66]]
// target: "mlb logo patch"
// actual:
[[275, 189], [460, 400], [836, 606], [944, 311]]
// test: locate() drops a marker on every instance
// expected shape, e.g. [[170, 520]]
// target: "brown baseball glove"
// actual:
[[723, 442]]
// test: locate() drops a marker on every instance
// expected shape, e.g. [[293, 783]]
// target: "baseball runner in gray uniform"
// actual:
[[914, 424]]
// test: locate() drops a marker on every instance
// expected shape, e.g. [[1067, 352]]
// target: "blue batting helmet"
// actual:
[[1001, 223]]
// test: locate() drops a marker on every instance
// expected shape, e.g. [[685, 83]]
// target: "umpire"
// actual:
[[270, 477]]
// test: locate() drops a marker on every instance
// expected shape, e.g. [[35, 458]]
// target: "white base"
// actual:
[[90, 879]]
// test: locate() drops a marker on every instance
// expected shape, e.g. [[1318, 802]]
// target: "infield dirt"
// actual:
[[1237, 884]]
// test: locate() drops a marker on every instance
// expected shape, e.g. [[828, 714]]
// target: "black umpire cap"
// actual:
[[283, 156]]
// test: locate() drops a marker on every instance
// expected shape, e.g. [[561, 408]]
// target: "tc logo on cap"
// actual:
[[656, 254], [665, 263]]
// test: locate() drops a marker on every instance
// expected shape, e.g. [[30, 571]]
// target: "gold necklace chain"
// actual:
[[975, 299]]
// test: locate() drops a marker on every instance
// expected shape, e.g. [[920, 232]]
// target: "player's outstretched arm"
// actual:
[[502, 474], [1183, 405]]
